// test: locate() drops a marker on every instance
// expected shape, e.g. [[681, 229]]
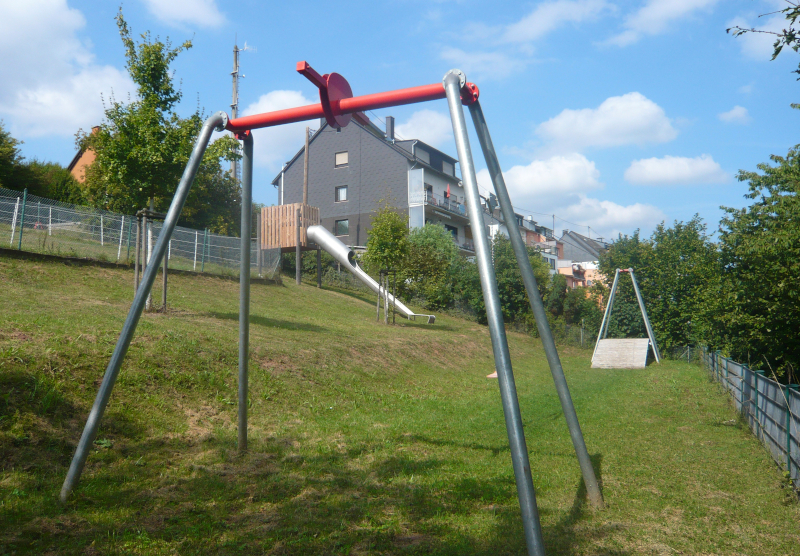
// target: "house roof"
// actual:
[[375, 131], [589, 245]]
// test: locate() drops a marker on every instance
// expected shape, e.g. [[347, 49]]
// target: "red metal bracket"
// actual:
[[337, 103]]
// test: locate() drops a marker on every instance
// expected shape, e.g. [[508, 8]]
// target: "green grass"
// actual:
[[364, 439]]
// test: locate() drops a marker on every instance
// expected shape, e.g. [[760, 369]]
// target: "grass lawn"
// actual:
[[364, 438]]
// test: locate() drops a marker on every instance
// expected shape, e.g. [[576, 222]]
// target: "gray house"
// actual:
[[351, 170], [580, 248]]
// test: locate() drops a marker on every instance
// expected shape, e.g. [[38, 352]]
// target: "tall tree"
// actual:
[[387, 239], [143, 145], [760, 252], [10, 157]]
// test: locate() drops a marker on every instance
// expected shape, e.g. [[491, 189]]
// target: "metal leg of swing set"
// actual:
[[218, 122]]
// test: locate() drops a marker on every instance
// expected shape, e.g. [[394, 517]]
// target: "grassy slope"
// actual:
[[364, 439]]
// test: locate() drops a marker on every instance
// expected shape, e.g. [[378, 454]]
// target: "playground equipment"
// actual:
[[345, 256], [337, 106], [625, 353]]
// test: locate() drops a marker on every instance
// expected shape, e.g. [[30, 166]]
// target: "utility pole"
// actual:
[[305, 171], [235, 99]]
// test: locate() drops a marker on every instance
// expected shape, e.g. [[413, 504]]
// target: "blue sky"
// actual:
[[612, 115]]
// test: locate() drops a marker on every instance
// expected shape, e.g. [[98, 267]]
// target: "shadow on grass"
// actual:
[[571, 533], [201, 497], [270, 323]]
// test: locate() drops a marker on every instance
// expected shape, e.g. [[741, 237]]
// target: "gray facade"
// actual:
[[377, 169]]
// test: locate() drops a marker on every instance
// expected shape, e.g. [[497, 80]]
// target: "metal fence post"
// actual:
[[454, 80], [102, 243], [14, 222], [121, 231], [203, 258], [50, 222], [788, 394], [128, 255], [22, 217], [756, 375]]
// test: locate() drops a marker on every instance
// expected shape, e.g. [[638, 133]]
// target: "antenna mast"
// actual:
[[235, 168]]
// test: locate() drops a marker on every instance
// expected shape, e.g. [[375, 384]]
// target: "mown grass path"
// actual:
[[364, 439]]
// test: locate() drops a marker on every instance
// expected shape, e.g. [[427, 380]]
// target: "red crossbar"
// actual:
[[399, 97]]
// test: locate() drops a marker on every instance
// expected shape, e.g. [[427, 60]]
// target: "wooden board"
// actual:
[[279, 225], [629, 353]]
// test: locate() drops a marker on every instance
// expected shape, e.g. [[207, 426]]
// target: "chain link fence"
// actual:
[[40, 225], [772, 410]]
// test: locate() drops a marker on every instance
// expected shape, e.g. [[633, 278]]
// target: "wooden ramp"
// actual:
[[629, 353]]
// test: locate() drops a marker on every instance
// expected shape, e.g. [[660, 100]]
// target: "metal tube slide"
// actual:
[[454, 80], [346, 256], [216, 121]]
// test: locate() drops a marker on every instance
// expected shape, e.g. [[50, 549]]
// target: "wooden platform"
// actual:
[[629, 353], [279, 226]]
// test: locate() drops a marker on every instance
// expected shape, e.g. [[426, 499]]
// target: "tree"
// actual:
[[387, 239], [143, 146], [430, 266], [627, 252], [10, 158], [557, 295], [513, 297], [760, 258], [789, 36]]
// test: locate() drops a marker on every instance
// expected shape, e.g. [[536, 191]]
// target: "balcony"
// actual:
[[450, 205]]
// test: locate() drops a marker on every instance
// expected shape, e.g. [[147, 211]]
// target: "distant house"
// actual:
[[352, 169], [578, 247], [81, 160], [534, 235]]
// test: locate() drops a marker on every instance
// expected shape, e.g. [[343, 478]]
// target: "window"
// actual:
[[423, 155], [341, 159], [340, 194], [453, 230], [341, 228], [447, 168]]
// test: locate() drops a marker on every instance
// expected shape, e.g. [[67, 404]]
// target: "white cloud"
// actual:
[[560, 185], [429, 126], [608, 219], [548, 16], [736, 115], [555, 179], [482, 65], [49, 81], [273, 146], [675, 170], [624, 120], [758, 46], [203, 13], [656, 16]]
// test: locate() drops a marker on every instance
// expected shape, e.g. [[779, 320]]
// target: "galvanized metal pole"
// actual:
[[244, 283], [164, 285], [607, 315], [644, 316], [319, 267], [217, 121], [259, 251], [537, 306], [454, 80], [298, 257], [136, 257]]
